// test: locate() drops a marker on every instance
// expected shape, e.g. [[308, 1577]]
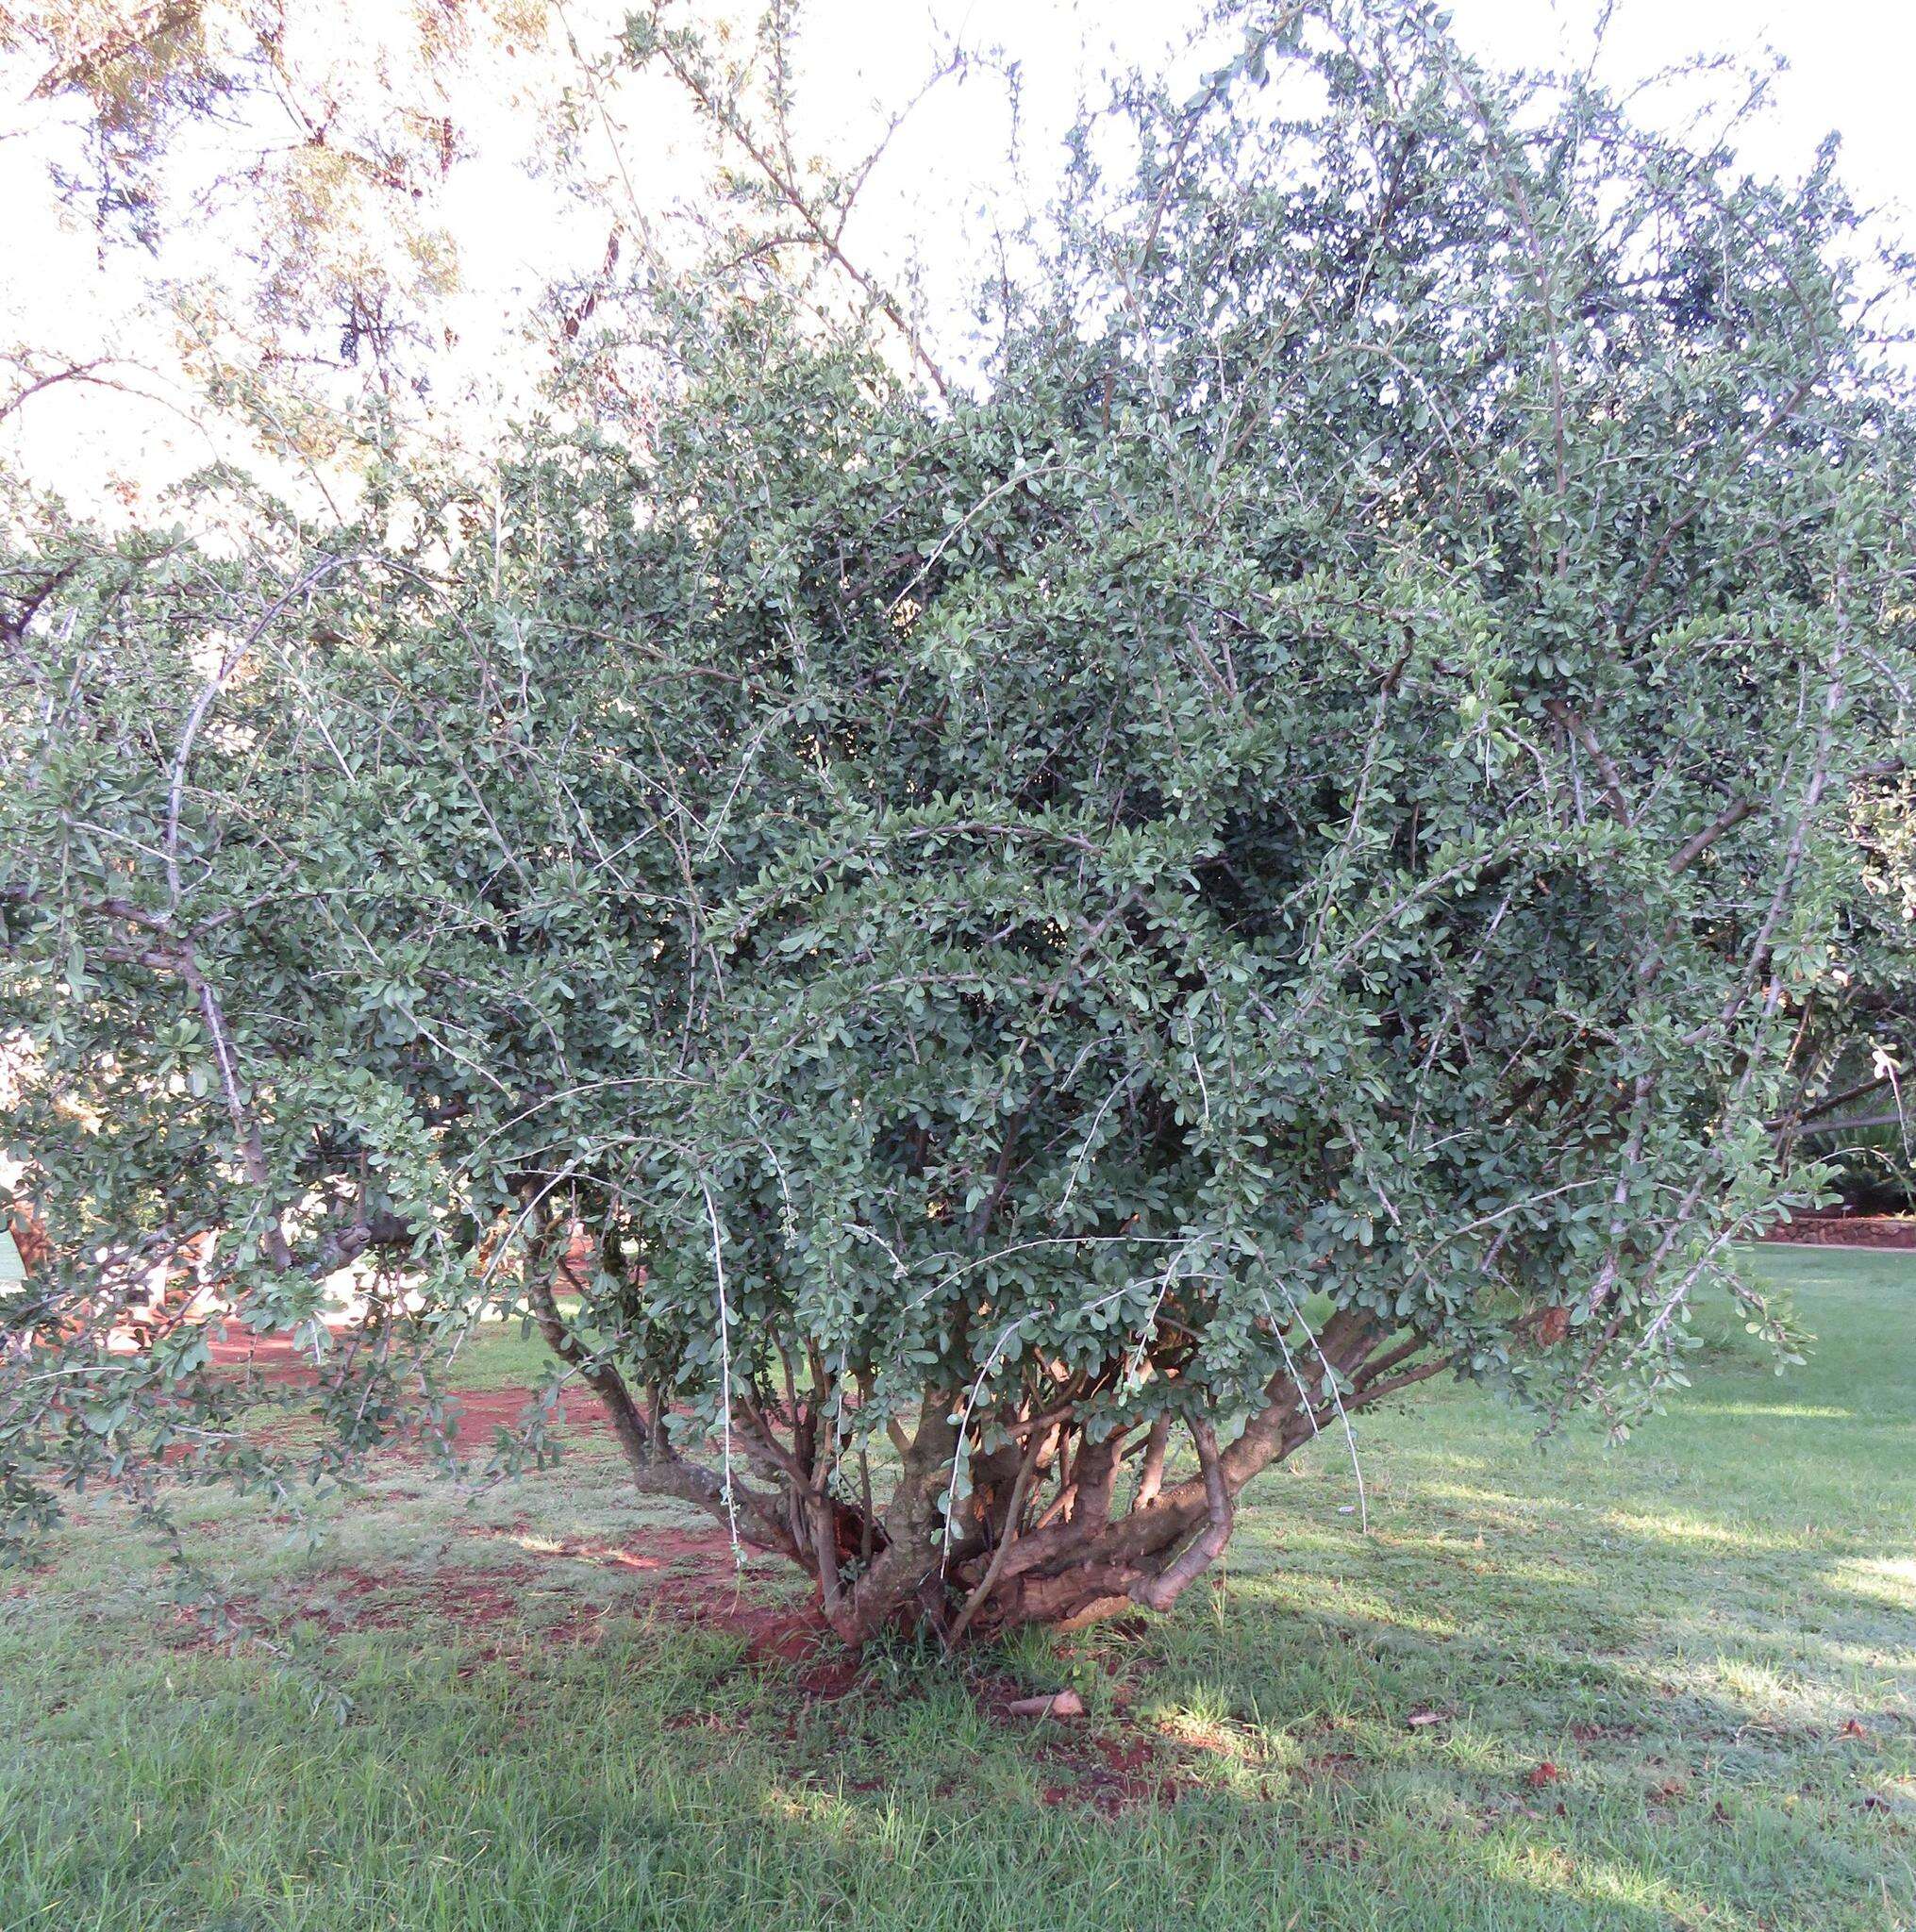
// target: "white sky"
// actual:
[[1851, 65]]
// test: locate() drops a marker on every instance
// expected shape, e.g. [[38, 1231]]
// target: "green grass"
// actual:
[[1708, 1635]]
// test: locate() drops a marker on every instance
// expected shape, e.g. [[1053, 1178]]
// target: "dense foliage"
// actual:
[[949, 943]]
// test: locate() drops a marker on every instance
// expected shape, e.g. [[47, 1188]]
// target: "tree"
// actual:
[[1850, 1103], [985, 960], [278, 192]]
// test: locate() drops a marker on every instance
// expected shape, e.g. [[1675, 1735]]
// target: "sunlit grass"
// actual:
[[1672, 1685]]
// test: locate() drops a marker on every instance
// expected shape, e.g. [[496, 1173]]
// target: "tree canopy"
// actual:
[[985, 957]]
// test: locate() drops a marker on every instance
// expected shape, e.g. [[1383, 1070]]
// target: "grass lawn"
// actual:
[[1670, 1684]]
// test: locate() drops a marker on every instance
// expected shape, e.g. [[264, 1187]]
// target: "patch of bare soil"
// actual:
[[482, 1605], [1111, 1774], [484, 1411], [698, 1583], [704, 1588], [273, 1359]]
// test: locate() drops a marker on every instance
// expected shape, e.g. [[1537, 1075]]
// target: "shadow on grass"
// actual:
[[1669, 1687]]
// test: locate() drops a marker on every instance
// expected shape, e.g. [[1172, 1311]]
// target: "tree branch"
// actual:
[[1698, 844], [1572, 722], [1159, 1592]]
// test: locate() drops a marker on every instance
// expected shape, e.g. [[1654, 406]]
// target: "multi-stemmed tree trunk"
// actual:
[[1057, 1528]]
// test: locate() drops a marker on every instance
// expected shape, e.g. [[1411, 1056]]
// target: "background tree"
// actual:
[[1060, 937], [300, 221], [1851, 1105]]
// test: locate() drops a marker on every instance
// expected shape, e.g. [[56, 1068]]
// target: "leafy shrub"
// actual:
[[1282, 843]]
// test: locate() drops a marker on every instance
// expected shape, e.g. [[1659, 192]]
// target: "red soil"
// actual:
[[705, 1589], [699, 1583], [270, 1357], [1111, 1774], [482, 1411], [698, 1574]]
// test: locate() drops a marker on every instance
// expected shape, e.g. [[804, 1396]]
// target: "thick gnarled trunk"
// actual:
[[1055, 1527]]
